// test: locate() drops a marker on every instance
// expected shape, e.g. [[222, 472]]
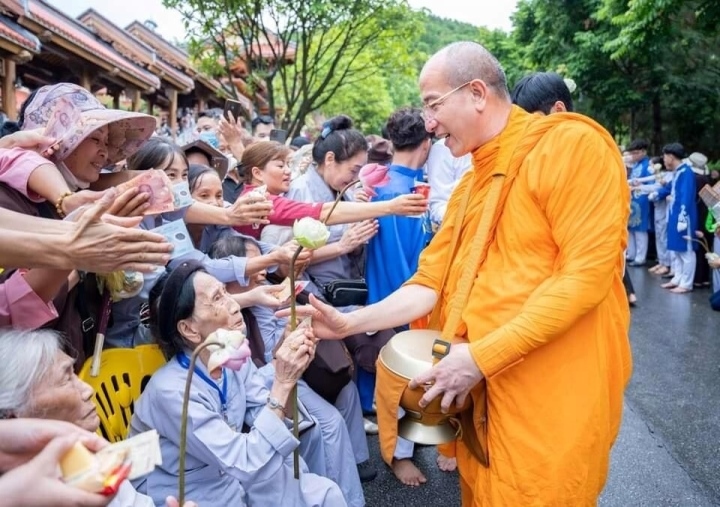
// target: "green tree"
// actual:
[[299, 54]]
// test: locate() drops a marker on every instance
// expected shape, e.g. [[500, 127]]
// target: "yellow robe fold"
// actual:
[[547, 317]]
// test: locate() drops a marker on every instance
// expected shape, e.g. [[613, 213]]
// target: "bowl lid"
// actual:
[[409, 353]]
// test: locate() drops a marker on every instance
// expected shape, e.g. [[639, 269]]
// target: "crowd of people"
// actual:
[[70, 217]]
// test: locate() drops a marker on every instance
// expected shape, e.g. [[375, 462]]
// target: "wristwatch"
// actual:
[[274, 404]]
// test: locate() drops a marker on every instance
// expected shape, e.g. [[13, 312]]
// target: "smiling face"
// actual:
[[454, 113], [339, 174], [176, 169], [276, 175], [86, 161], [62, 396], [208, 189], [214, 309]]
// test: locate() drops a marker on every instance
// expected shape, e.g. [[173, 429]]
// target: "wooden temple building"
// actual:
[[41, 45]]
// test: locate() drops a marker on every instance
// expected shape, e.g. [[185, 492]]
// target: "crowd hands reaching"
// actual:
[[70, 211]]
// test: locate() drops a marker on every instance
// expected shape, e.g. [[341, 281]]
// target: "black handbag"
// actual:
[[331, 369], [340, 293]]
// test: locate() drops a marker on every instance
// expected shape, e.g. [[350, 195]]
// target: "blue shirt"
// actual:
[[394, 252]]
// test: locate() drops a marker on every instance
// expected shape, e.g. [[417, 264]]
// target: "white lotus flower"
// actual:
[[310, 233]]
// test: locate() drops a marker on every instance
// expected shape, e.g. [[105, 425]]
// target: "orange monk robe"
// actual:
[[547, 319]]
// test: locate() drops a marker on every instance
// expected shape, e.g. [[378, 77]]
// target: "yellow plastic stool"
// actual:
[[123, 376]]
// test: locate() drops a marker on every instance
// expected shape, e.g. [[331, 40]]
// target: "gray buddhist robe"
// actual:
[[225, 467]]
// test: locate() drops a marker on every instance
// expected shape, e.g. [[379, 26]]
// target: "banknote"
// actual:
[[63, 116], [181, 192], [284, 292], [177, 234], [155, 183], [144, 453]]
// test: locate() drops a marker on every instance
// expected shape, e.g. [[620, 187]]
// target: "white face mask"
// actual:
[[74, 183]]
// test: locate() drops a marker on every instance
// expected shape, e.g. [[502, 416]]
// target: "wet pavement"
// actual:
[[668, 450]]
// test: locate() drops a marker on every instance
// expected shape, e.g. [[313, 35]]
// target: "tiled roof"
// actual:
[[173, 55], [11, 31], [72, 31], [134, 49]]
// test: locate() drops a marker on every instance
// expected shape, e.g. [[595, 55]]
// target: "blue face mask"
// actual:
[[210, 138]]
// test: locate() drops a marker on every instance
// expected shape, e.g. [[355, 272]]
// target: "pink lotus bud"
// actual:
[[232, 356], [373, 176]]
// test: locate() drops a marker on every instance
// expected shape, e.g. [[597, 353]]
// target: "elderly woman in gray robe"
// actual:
[[37, 381], [239, 444]]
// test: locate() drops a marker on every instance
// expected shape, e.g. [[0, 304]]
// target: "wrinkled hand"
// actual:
[[131, 203], [103, 247], [33, 140], [80, 199], [453, 377], [22, 439], [37, 482], [409, 205], [358, 234], [249, 209], [284, 254], [262, 295], [327, 322], [294, 354]]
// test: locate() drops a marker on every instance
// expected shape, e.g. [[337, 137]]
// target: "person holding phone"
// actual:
[[262, 125]]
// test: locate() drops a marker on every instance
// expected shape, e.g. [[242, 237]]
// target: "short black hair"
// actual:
[[195, 172], [230, 245], [338, 136], [406, 129], [172, 299], [262, 119], [675, 149], [208, 113], [539, 91], [638, 144]]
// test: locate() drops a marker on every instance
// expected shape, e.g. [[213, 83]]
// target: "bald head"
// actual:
[[465, 61]]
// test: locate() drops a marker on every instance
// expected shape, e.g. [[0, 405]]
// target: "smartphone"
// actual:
[[278, 135], [234, 107]]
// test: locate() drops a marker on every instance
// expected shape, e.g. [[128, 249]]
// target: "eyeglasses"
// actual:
[[432, 107]]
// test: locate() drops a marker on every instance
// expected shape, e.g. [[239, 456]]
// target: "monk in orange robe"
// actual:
[[546, 324]]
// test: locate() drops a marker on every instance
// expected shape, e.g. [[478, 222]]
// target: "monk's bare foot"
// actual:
[[407, 473], [446, 464]]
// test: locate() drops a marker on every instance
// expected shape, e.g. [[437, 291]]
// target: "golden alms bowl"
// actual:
[[407, 355]]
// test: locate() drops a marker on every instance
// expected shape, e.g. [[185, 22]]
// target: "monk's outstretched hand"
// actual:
[[327, 322], [452, 377]]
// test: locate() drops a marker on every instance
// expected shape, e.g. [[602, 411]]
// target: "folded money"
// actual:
[[156, 183], [284, 292]]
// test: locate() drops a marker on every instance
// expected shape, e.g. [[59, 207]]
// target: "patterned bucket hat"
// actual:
[[73, 113]]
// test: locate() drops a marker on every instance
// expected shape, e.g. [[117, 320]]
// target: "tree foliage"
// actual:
[[300, 54], [644, 68]]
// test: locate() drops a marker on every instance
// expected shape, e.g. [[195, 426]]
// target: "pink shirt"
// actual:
[[20, 306], [16, 165]]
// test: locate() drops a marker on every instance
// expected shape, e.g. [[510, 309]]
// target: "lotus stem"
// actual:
[[293, 327], [702, 242], [339, 197], [183, 420]]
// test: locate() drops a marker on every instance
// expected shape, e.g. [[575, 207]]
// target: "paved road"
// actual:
[[668, 451]]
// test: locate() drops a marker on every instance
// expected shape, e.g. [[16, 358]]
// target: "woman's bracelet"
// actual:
[[59, 202]]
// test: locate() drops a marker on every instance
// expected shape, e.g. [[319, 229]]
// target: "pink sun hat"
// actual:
[[74, 113]]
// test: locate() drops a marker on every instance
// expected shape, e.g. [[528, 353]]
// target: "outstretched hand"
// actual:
[[327, 322]]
